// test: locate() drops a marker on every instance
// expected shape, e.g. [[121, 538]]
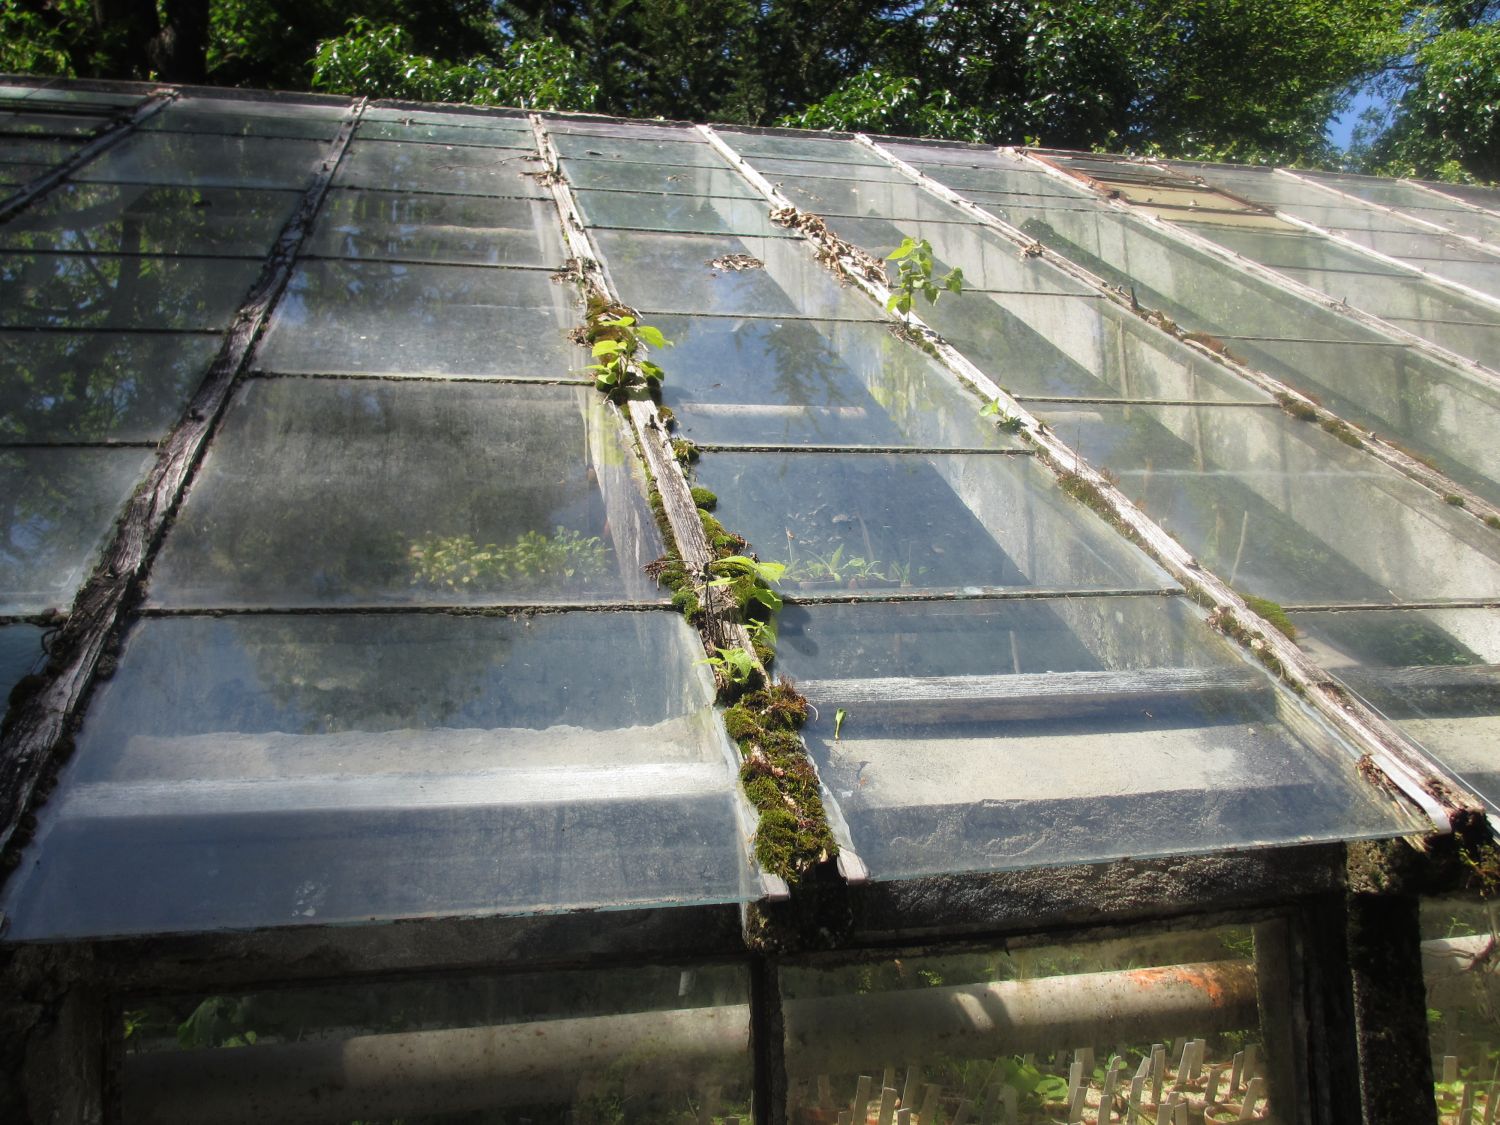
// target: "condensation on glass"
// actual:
[[919, 522], [1280, 508], [97, 386], [57, 508], [346, 317], [1435, 673], [276, 770], [982, 736], [803, 382], [440, 494]]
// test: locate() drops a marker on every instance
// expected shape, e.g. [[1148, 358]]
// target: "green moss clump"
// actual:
[[1492, 521], [685, 451], [668, 417], [780, 781], [1297, 408], [687, 603], [1454, 499], [776, 840], [1340, 429], [1273, 613], [705, 498], [741, 722]]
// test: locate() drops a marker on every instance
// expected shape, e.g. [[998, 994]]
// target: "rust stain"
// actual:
[[1213, 982]]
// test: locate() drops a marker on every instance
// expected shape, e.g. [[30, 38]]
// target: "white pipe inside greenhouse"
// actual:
[[555, 1061]]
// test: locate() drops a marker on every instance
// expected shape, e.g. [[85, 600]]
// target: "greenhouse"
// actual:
[[535, 617]]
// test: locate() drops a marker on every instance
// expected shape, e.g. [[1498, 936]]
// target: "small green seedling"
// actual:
[[915, 275], [1010, 423], [838, 722], [736, 665], [618, 356]]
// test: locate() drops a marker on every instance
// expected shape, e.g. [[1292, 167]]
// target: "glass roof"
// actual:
[[401, 652]]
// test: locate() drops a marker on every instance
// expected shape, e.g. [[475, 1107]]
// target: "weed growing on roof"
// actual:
[[619, 342], [1004, 420], [915, 275], [735, 664], [685, 451], [1453, 499]]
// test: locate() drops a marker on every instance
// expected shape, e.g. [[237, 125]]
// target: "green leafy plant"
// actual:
[[915, 275], [762, 576], [619, 363], [838, 722], [1005, 420], [735, 664]]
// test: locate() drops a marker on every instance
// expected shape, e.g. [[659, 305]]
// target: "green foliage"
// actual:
[[877, 102], [915, 275], [1447, 119], [380, 61], [456, 562], [620, 365], [1004, 420], [735, 664]]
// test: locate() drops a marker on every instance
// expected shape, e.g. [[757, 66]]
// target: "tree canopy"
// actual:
[[1237, 79]]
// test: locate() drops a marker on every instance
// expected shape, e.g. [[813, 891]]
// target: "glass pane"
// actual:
[[20, 654], [19, 175], [803, 147], [665, 1043], [982, 736], [243, 117], [919, 522], [679, 180], [630, 130], [58, 507], [18, 150], [441, 493], [1430, 408], [813, 383], [428, 133], [1463, 1005], [876, 199], [345, 318], [1281, 509], [1055, 345], [80, 291], [672, 212], [774, 169], [96, 386], [1029, 1032], [460, 170], [677, 273], [207, 160], [49, 124], [498, 121], [988, 261], [11, 94], [438, 228], [137, 219], [639, 150], [1434, 673], [1486, 197], [263, 771]]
